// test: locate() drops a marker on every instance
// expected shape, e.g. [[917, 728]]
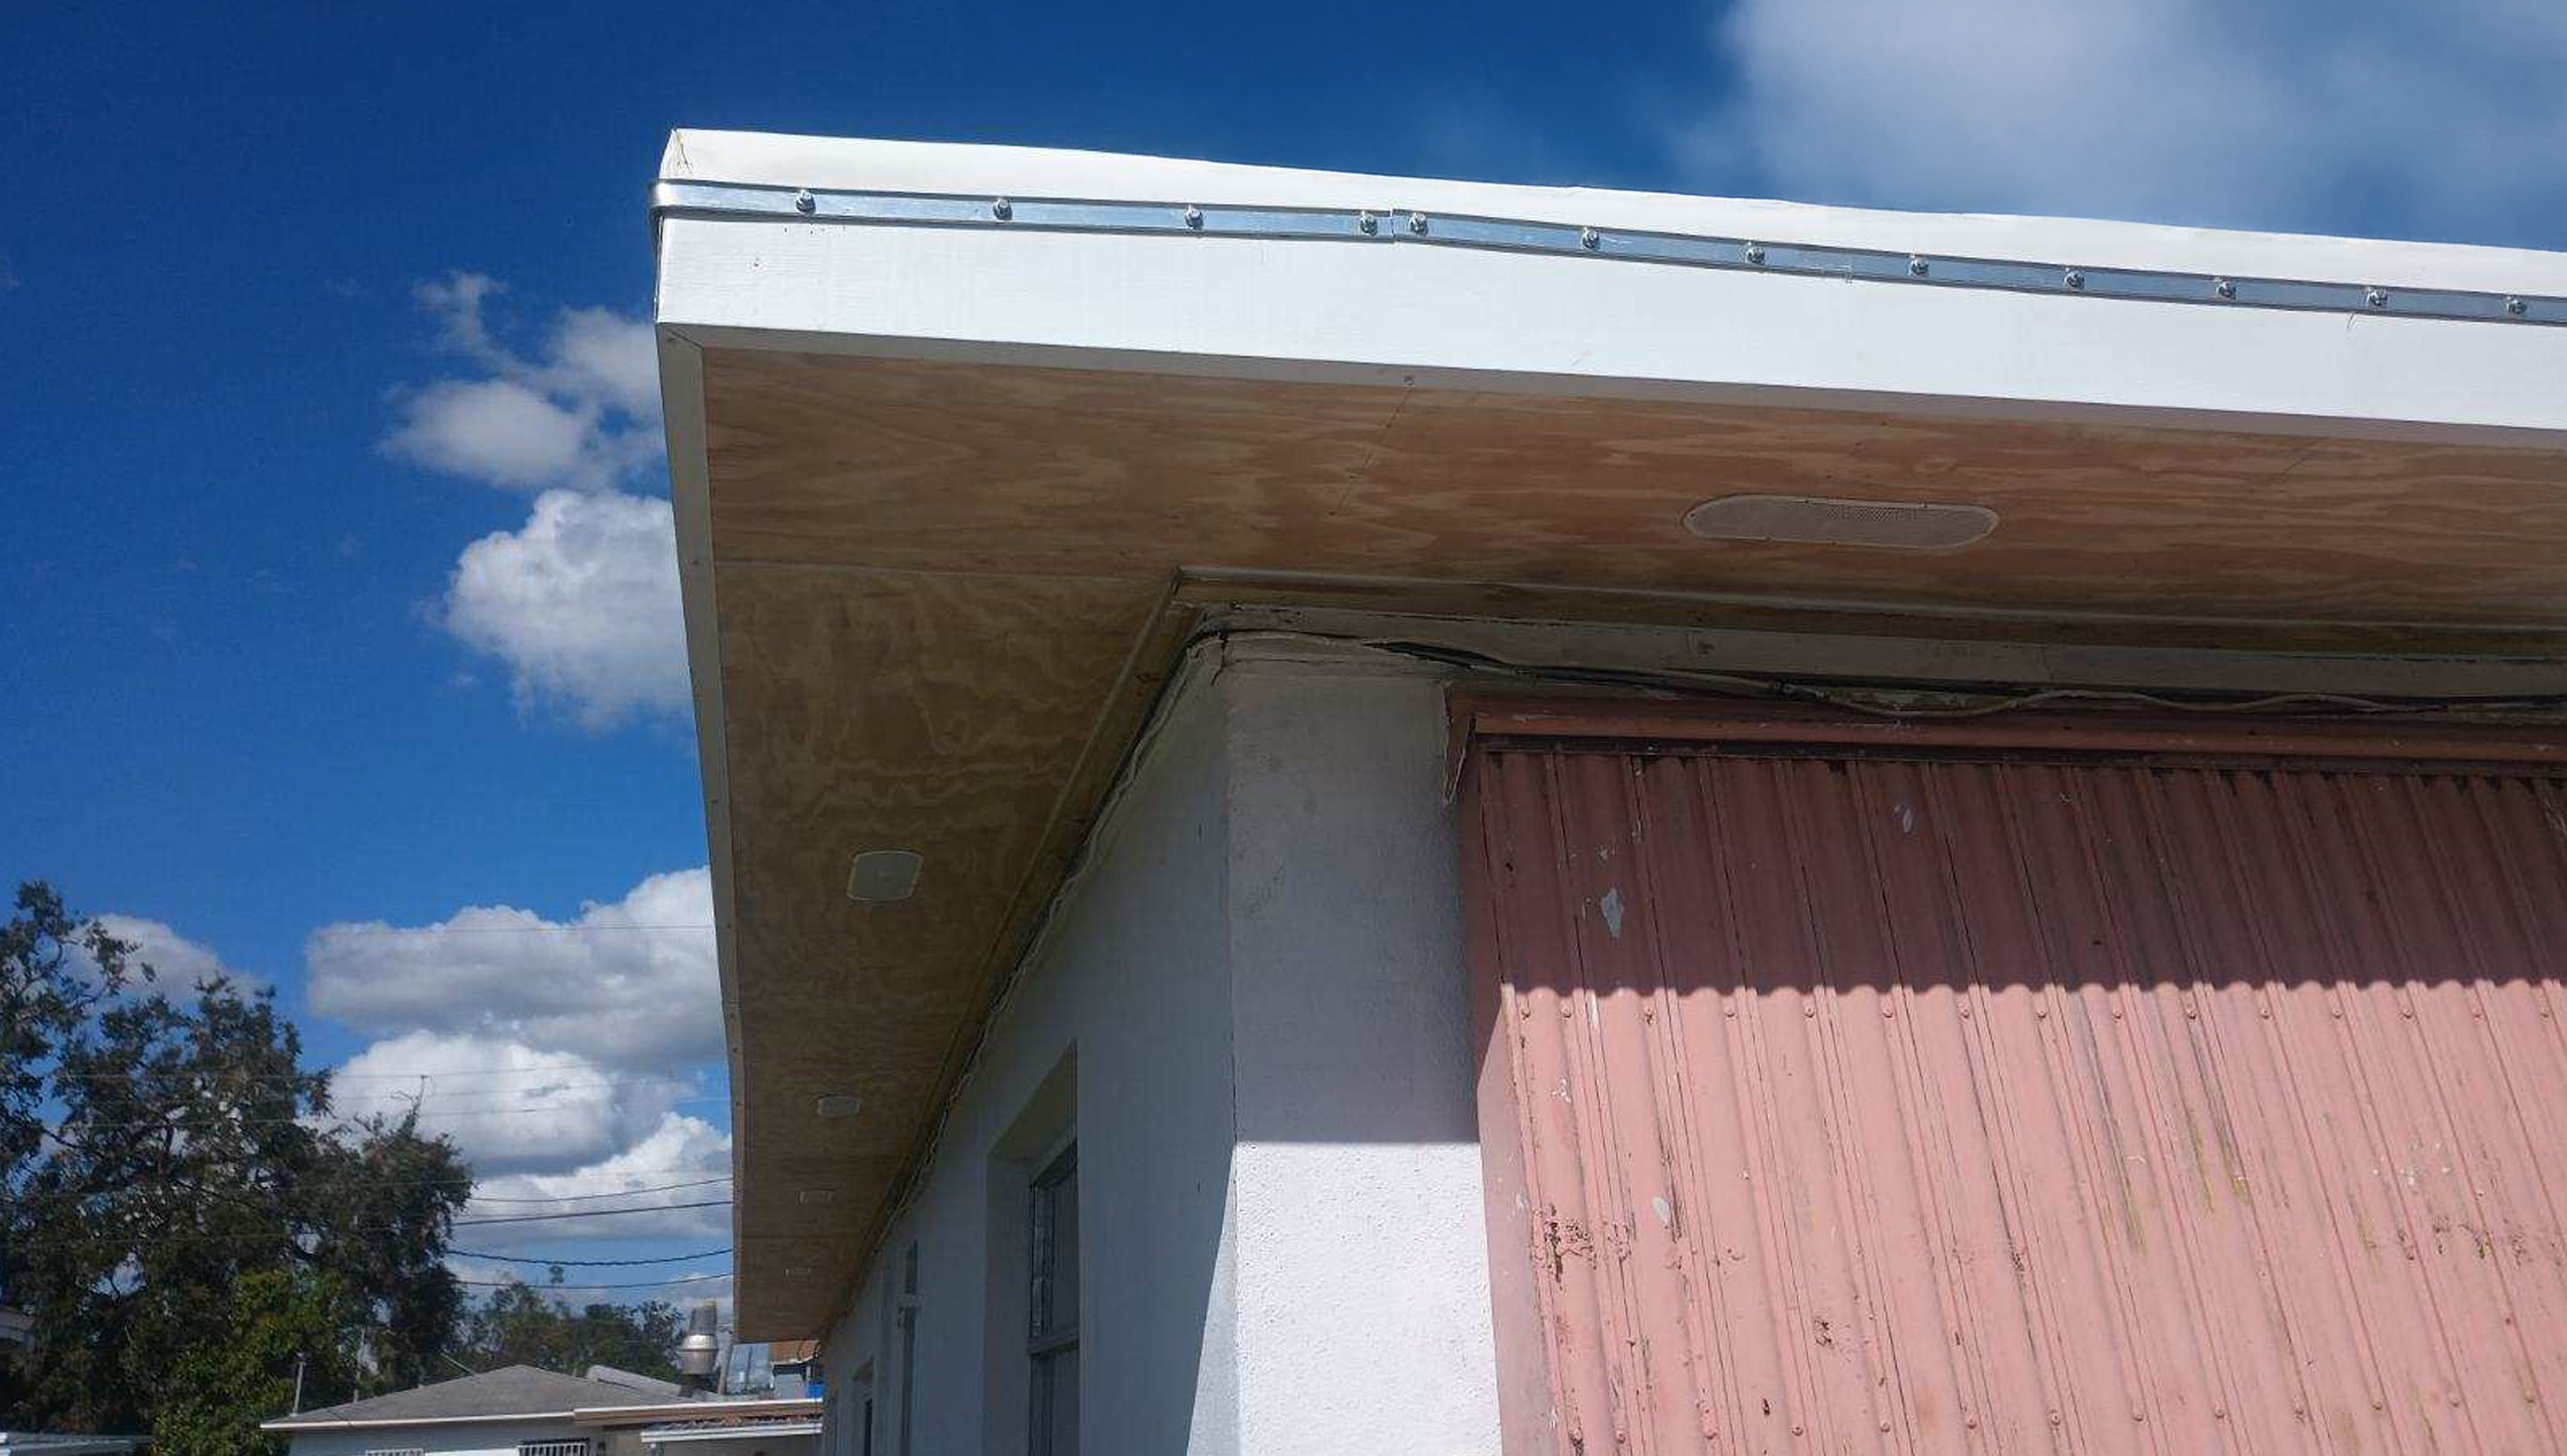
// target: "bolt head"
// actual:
[[2225, 289], [1755, 254], [1366, 223], [1917, 267], [2515, 307], [1589, 239], [804, 201], [1417, 223], [2377, 297], [1194, 215], [2075, 279], [1001, 209]]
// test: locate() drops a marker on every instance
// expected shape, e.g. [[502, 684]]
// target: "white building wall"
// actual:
[[473, 1438], [1362, 1285], [1132, 980], [1262, 976]]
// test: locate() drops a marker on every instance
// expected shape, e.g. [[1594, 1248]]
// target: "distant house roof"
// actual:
[[793, 1353], [512, 1393]]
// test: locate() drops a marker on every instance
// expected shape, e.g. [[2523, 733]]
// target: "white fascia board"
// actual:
[[1455, 318], [305, 1423], [1460, 317], [858, 164]]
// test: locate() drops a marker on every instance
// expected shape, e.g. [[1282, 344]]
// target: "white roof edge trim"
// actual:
[[856, 164], [760, 1430], [305, 1423]]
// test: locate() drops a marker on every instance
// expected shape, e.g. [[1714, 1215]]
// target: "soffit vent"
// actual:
[[1822, 521]]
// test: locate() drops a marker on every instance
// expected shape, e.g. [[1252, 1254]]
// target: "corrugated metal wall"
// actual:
[[1854, 1104]]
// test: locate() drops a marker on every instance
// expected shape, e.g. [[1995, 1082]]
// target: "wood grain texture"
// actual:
[[948, 594], [1025, 470], [873, 709]]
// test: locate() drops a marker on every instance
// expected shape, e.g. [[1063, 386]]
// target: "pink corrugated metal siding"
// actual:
[[1851, 1104]]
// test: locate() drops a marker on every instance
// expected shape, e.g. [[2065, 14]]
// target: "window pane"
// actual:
[[1064, 1402], [1064, 1253]]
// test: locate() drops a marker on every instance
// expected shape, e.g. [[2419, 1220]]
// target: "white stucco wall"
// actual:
[[475, 1438], [1261, 975], [1363, 1260], [1134, 979]]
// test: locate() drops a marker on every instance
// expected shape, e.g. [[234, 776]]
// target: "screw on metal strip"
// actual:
[[719, 199]]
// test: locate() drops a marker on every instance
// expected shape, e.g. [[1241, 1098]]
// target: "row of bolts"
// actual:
[[1589, 239]]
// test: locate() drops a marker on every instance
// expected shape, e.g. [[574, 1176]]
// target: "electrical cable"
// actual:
[[587, 1262]]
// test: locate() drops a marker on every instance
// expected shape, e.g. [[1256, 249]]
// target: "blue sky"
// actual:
[[300, 303]]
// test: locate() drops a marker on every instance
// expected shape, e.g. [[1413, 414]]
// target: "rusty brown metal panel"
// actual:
[[1962, 1102]]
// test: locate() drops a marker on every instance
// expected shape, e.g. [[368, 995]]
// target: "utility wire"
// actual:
[[624, 1193], [587, 1262], [337, 1075], [600, 1213], [648, 1283], [335, 930], [181, 1124]]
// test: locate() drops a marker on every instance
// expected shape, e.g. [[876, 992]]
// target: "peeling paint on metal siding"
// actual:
[[1950, 1105]]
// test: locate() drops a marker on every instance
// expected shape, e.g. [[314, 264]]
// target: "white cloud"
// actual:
[[176, 962], [628, 987], [680, 1150], [582, 604], [509, 1107], [581, 413], [501, 431], [2365, 116]]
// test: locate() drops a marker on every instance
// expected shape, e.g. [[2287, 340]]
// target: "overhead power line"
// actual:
[[344, 931], [624, 1193], [338, 1075], [648, 1283], [598, 1213], [587, 1262], [178, 1123]]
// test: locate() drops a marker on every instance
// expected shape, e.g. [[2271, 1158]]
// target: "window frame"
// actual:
[[1046, 1340]]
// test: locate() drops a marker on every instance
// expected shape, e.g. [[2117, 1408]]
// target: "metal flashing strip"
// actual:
[[1396, 224]]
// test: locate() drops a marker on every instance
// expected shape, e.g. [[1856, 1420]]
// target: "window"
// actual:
[[1051, 1301], [552, 1448], [908, 1344]]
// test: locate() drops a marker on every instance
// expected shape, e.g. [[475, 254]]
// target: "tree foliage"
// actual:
[[191, 1219], [528, 1324]]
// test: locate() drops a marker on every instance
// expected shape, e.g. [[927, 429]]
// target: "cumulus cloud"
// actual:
[[509, 1107], [178, 962], [681, 1161], [2365, 116], [580, 412], [628, 986], [580, 603]]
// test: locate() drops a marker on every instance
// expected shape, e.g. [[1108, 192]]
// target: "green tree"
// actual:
[[529, 1324], [220, 1389], [54, 969], [190, 1160]]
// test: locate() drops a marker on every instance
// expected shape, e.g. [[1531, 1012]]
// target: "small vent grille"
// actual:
[[1819, 521]]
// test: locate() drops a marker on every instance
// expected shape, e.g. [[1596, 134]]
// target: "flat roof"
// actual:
[[968, 442]]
